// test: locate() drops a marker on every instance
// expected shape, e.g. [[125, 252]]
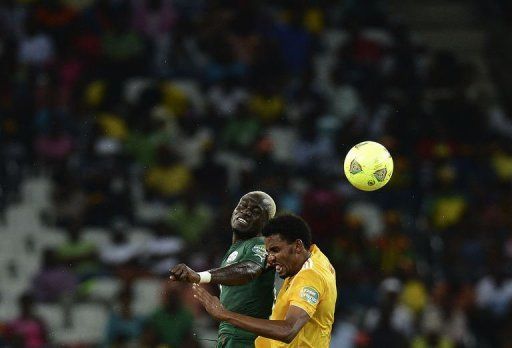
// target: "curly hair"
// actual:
[[290, 227]]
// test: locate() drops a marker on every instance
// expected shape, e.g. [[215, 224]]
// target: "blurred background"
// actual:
[[130, 129]]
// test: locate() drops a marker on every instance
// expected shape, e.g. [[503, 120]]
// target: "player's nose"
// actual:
[[246, 214]]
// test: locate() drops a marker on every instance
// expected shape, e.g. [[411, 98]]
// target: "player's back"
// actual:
[[318, 329]]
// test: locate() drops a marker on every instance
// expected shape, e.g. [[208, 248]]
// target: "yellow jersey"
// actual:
[[313, 289]]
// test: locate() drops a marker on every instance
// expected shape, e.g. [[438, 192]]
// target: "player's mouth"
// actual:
[[279, 268], [242, 221]]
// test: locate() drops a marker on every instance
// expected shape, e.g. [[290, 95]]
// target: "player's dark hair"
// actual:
[[290, 227]]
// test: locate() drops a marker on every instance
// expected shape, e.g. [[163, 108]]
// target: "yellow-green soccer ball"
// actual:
[[368, 166]]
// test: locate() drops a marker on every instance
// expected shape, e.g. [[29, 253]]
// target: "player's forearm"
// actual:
[[279, 330], [236, 274]]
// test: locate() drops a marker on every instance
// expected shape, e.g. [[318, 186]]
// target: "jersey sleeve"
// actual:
[[256, 253], [306, 291]]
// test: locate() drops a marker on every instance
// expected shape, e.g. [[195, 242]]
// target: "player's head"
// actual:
[[287, 239], [26, 303], [252, 213]]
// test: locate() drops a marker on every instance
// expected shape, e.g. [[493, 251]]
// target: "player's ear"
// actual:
[[299, 246]]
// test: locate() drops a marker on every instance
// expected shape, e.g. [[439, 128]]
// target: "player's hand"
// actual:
[[210, 303], [183, 273]]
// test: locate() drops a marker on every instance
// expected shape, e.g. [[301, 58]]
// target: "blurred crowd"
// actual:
[[161, 114], [495, 10]]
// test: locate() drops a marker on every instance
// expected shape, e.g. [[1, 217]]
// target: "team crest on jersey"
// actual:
[[259, 251], [309, 294], [232, 257]]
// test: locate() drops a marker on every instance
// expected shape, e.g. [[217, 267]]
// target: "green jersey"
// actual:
[[254, 298]]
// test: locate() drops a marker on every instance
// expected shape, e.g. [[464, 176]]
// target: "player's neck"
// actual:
[[239, 237], [305, 257], [301, 261]]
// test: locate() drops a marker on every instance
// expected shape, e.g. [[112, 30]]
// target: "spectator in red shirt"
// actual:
[[28, 330]]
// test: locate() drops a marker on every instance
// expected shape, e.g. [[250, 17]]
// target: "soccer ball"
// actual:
[[368, 166]]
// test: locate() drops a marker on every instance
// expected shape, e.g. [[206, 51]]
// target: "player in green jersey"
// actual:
[[245, 283]]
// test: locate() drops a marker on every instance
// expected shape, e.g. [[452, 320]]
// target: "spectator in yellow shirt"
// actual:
[[169, 177]]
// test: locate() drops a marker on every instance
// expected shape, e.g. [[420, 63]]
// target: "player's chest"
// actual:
[[285, 292], [281, 302], [232, 256]]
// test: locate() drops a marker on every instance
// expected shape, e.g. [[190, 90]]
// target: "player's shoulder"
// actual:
[[315, 271], [309, 274], [309, 284], [321, 262], [259, 240], [255, 245]]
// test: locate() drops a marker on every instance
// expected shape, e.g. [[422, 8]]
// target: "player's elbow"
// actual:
[[288, 339], [288, 335], [253, 274], [251, 271]]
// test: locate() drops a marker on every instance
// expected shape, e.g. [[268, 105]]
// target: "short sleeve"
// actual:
[[256, 253], [306, 291]]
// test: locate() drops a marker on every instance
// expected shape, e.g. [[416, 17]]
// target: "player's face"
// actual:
[[249, 217], [282, 255]]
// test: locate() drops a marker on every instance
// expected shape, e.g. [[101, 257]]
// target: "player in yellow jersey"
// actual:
[[303, 311]]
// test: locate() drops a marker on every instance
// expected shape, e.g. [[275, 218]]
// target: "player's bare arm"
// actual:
[[183, 273], [281, 330], [235, 274]]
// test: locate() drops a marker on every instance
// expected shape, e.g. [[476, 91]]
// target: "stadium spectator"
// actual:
[[36, 48], [189, 218], [54, 281], [168, 178], [120, 252], [162, 249], [123, 325], [79, 254], [55, 147], [400, 319], [67, 202], [431, 333], [28, 330], [173, 322], [384, 332]]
